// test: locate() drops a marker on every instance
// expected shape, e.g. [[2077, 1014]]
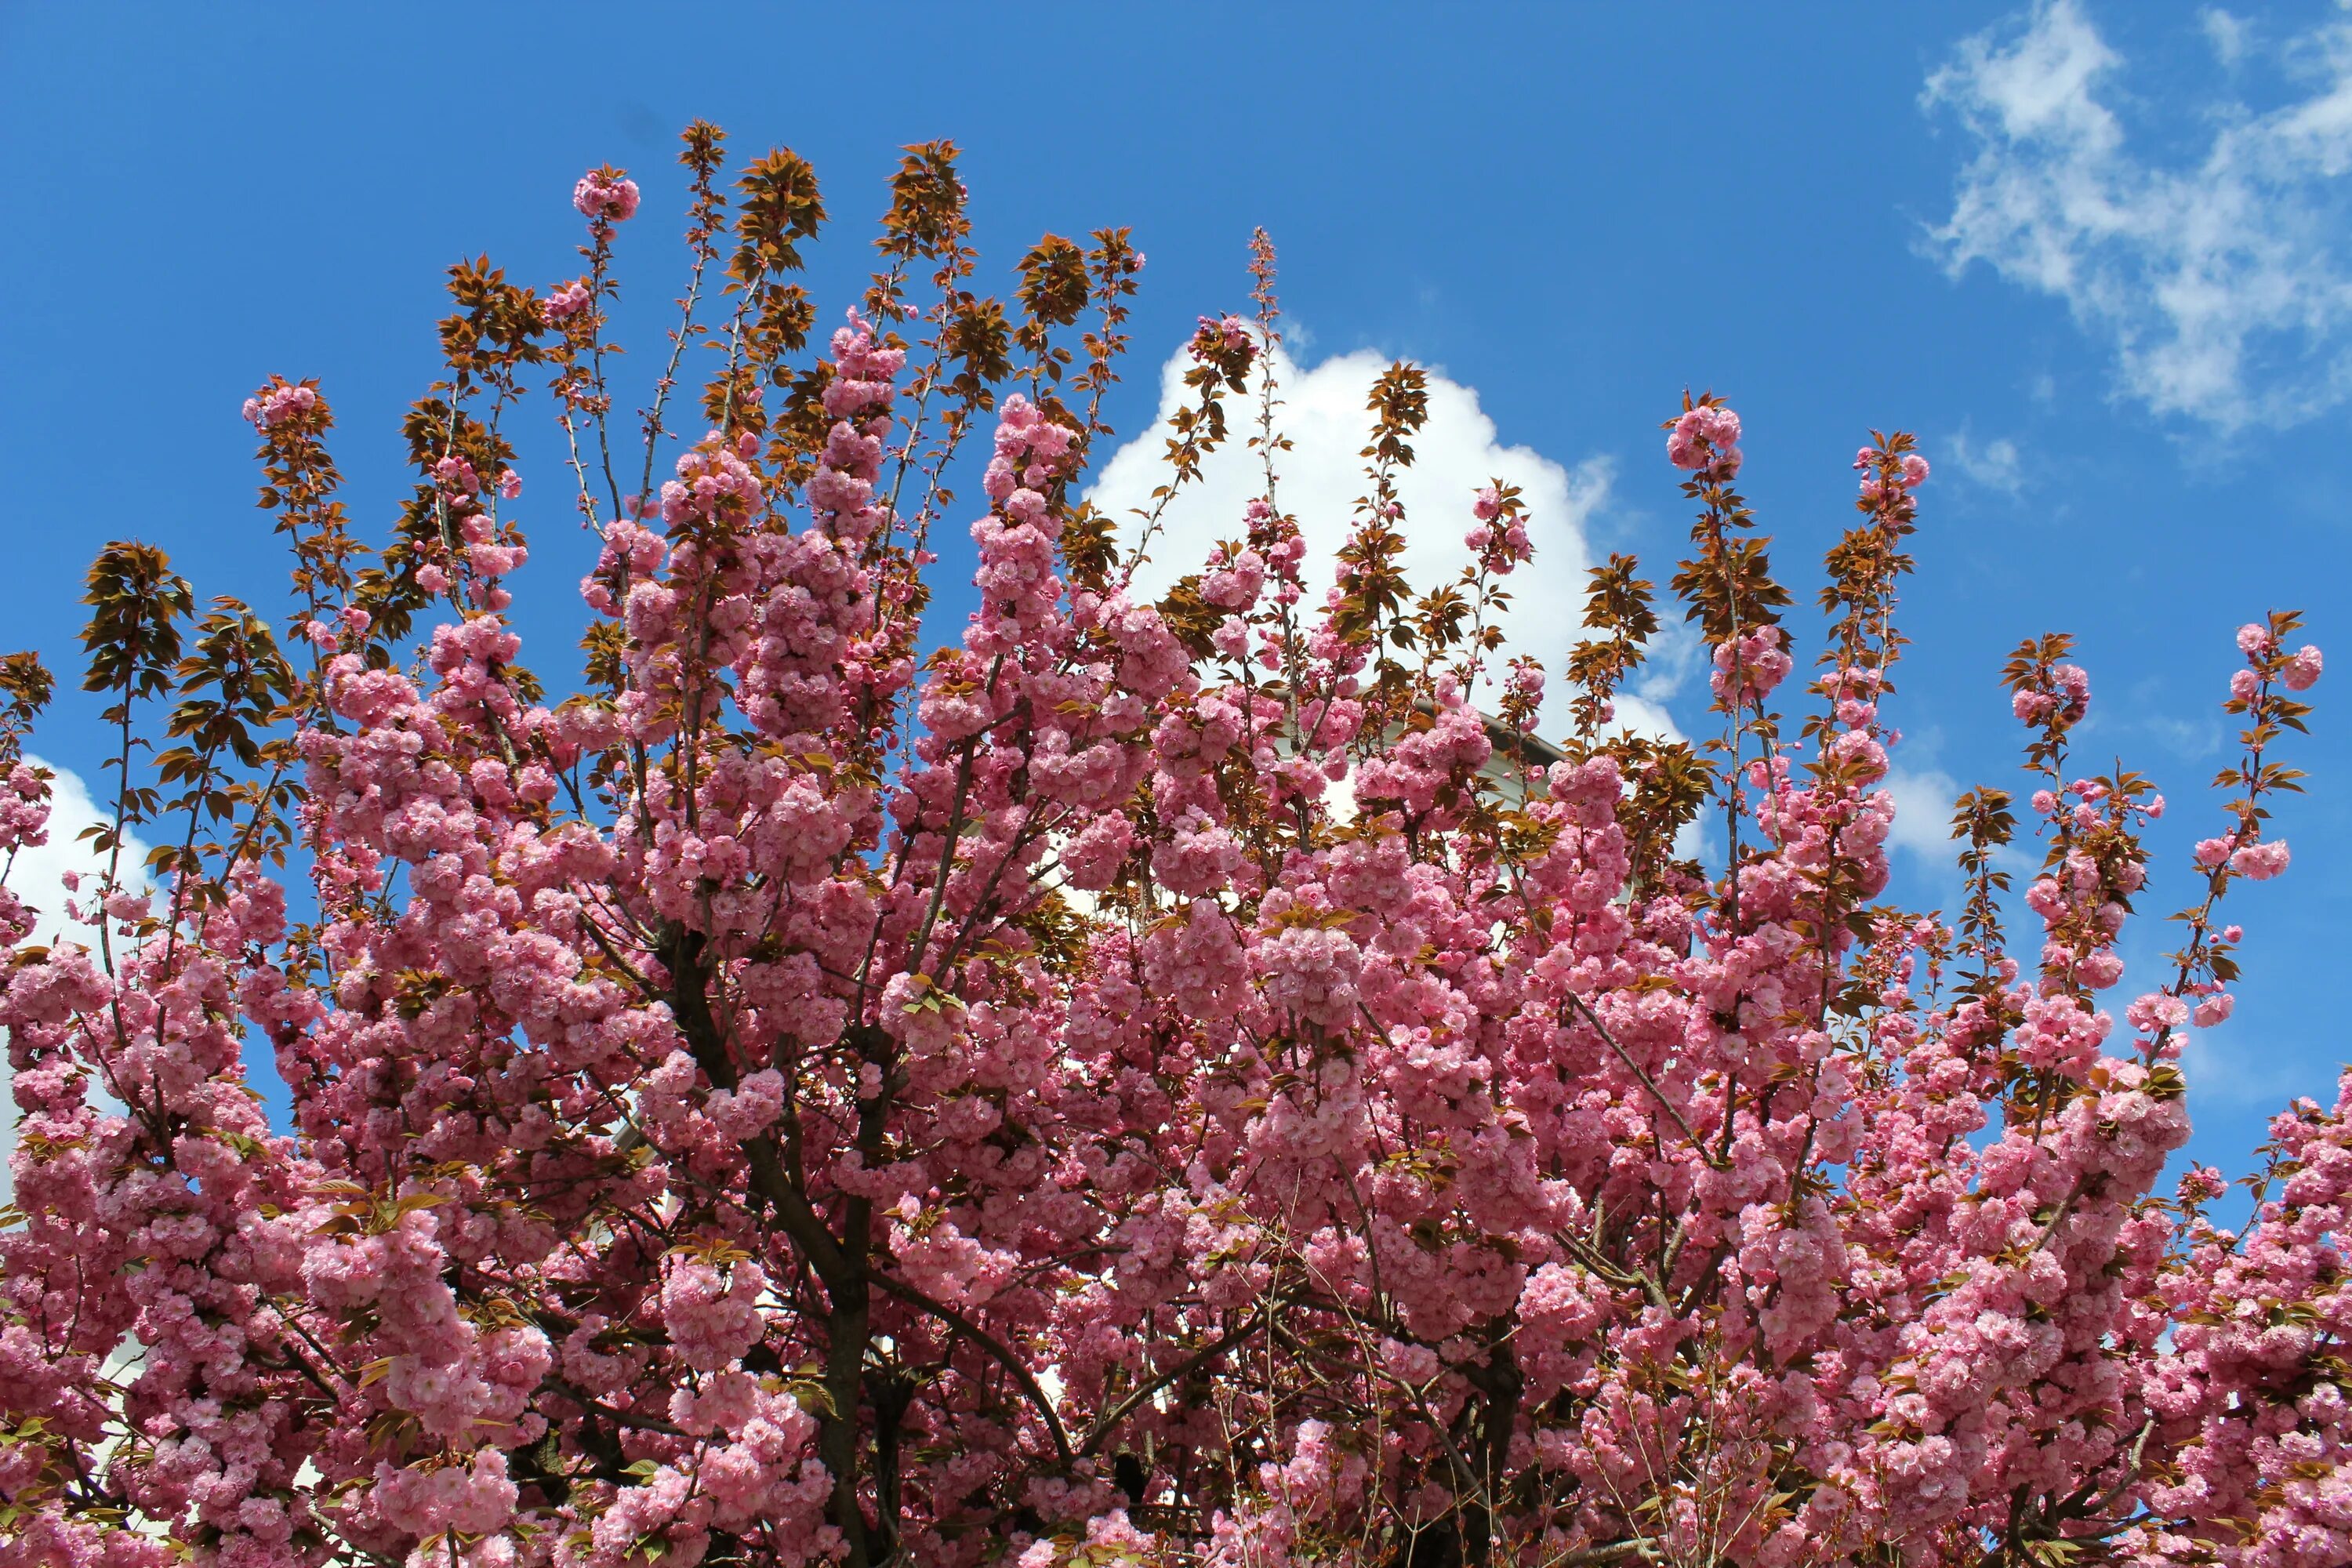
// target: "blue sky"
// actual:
[[2087, 251]]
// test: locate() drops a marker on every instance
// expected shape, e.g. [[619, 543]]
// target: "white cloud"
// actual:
[[1996, 464], [2223, 1070], [2230, 35], [38, 875], [2216, 282], [1323, 414], [2193, 738], [1922, 814]]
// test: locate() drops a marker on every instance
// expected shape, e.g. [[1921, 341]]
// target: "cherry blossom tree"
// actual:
[[1119, 1081]]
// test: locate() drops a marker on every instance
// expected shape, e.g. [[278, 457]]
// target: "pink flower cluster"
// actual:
[[1705, 439], [1230, 333], [281, 403], [605, 195], [1907, 472], [568, 301]]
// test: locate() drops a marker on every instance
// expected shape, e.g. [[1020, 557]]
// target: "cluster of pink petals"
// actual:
[[281, 403], [1705, 437], [603, 195]]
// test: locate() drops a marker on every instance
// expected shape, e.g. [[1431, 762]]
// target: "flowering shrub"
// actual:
[[1141, 1083]]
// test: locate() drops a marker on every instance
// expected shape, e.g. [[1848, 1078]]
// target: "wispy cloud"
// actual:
[[1996, 464], [2215, 281], [1923, 815], [2231, 35], [2224, 1068], [2193, 739]]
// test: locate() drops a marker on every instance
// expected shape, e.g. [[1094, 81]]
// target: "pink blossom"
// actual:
[[2260, 861], [605, 195], [1705, 436], [567, 301], [2303, 669]]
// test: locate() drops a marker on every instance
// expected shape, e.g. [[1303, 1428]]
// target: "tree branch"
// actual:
[[993, 1346]]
